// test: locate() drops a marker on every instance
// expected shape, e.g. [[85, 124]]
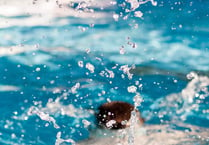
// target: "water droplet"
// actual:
[[38, 69], [191, 75], [13, 136], [86, 123], [88, 50], [91, 25], [52, 82], [175, 81], [115, 17], [132, 89], [80, 63], [75, 87], [138, 14], [122, 50], [90, 67]]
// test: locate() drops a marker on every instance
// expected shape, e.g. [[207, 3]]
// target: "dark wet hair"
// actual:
[[116, 111]]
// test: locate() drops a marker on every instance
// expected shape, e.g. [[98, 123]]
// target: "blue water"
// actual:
[[170, 68]]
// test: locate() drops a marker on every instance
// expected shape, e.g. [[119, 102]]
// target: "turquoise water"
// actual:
[[55, 73]]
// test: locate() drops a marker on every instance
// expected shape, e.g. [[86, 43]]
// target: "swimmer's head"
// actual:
[[116, 114]]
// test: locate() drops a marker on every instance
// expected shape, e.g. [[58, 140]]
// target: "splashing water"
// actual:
[[190, 100], [135, 3], [60, 63], [43, 116], [59, 140]]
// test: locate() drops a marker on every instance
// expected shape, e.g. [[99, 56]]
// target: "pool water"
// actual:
[[60, 60]]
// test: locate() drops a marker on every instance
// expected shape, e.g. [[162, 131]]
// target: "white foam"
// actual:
[[136, 3], [43, 116], [13, 50], [4, 88], [147, 135], [75, 87], [69, 110], [47, 11], [196, 88], [59, 140]]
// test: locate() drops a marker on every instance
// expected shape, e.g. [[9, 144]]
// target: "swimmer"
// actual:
[[115, 127], [116, 115], [113, 119]]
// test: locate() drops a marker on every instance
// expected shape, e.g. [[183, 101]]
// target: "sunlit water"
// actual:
[[60, 60]]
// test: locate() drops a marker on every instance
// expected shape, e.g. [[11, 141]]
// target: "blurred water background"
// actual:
[[60, 60]]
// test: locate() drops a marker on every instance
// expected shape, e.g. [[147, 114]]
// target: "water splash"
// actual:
[[90, 67], [69, 110], [196, 85], [126, 70], [132, 89], [189, 100], [197, 88], [74, 88], [43, 116], [59, 140], [136, 3]]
